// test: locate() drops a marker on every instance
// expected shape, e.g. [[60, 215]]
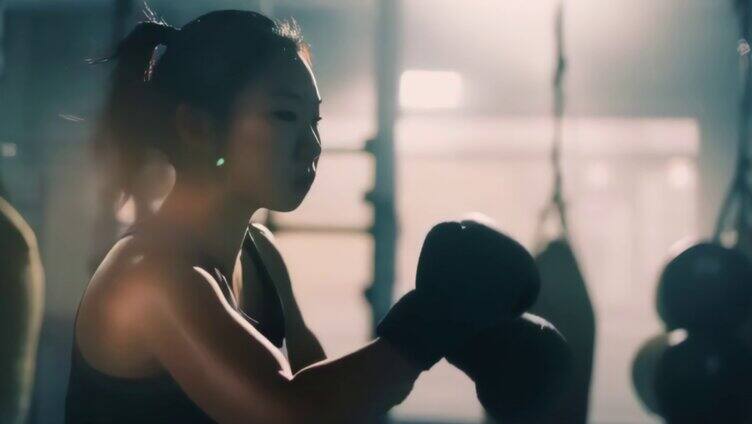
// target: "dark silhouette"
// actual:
[[21, 309], [520, 368], [564, 300]]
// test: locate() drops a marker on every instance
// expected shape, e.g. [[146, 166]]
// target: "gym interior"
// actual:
[[631, 116]]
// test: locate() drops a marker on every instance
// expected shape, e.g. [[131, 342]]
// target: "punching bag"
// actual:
[[744, 245], [21, 310], [564, 300]]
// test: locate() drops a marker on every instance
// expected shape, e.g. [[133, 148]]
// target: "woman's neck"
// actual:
[[212, 221]]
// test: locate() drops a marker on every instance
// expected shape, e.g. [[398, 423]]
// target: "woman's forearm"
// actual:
[[354, 388]]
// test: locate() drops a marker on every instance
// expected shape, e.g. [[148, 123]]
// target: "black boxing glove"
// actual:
[[266, 314], [470, 277], [520, 368]]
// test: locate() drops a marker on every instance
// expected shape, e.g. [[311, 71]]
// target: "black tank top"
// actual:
[[94, 397]]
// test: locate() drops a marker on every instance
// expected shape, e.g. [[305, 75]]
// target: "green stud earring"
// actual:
[[220, 161]]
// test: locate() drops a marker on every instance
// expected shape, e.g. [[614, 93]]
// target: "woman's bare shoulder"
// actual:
[[117, 304]]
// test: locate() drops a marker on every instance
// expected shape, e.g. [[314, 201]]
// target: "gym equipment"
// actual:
[[564, 298], [705, 380], [706, 288]]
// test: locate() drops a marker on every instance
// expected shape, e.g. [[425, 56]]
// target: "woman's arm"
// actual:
[[303, 348], [235, 375]]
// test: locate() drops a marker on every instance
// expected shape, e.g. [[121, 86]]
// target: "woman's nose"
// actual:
[[311, 145]]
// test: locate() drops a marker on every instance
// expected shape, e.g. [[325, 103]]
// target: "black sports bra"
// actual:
[[94, 397]]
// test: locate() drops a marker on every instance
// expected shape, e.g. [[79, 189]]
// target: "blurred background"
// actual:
[[648, 148]]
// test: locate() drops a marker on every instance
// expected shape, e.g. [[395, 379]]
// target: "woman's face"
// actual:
[[273, 141]]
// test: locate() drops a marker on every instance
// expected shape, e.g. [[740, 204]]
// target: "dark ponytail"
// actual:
[[205, 64], [132, 109]]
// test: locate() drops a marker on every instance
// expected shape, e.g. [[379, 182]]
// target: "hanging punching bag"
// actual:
[[744, 243], [740, 195], [564, 300]]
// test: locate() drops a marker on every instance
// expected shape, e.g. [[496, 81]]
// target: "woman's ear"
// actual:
[[196, 130]]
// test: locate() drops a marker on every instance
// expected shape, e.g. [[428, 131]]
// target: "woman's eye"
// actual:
[[286, 115]]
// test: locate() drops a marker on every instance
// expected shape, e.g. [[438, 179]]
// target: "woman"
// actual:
[[160, 335]]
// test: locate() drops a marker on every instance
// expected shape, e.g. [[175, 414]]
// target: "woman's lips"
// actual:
[[306, 174]]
